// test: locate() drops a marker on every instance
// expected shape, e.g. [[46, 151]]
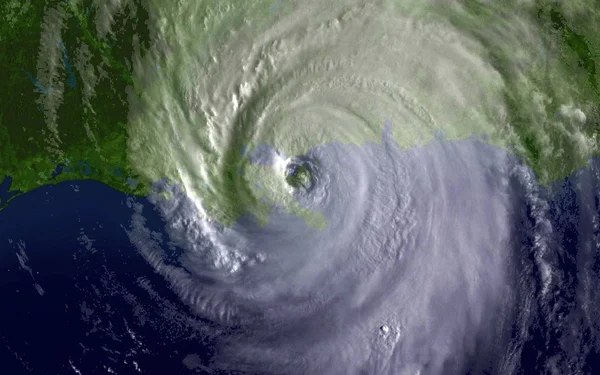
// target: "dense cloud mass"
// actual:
[[414, 271], [303, 187], [398, 250]]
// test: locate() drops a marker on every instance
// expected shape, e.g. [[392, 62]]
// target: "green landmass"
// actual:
[[547, 131], [149, 90], [66, 91]]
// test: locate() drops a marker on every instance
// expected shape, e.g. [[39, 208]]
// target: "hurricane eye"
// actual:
[[299, 175]]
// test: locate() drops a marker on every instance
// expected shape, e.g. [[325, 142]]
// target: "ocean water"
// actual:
[[476, 269], [78, 296]]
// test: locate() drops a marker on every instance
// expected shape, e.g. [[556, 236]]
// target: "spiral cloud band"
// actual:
[[335, 179]]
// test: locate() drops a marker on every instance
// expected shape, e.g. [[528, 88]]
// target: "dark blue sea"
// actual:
[[78, 298]]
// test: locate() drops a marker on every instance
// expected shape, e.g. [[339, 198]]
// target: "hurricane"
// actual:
[[338, 180]]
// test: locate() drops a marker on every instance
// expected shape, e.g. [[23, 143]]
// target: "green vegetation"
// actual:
[[83, 90], [66, 92], [550, 77]]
